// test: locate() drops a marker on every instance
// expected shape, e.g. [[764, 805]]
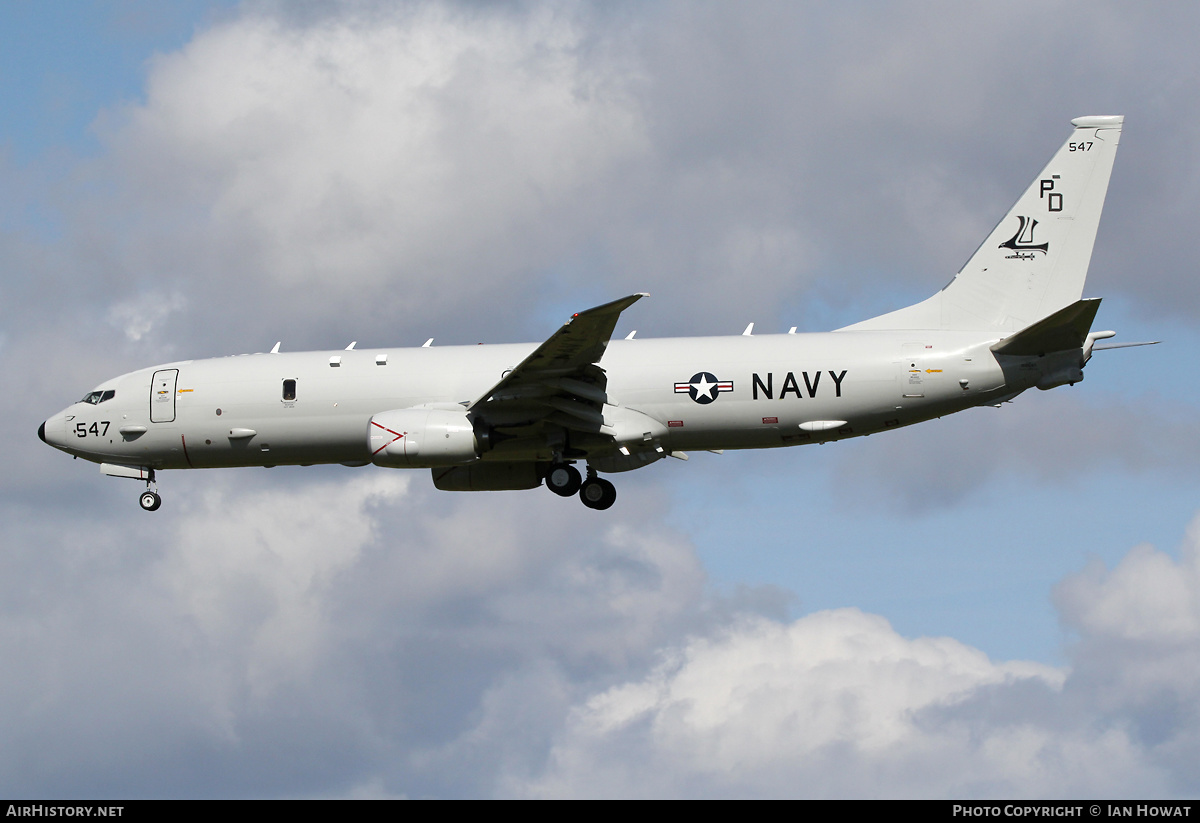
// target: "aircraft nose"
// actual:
[[50, 432]]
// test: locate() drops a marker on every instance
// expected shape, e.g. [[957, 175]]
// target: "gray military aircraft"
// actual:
[[517, 416]]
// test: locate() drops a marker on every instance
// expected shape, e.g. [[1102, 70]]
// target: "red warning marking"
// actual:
[[390, 442]]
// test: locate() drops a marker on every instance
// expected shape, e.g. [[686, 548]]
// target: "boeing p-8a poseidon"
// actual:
[[517, 416]]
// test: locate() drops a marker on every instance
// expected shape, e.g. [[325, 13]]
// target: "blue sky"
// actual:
[[61, 64], [202, 179]]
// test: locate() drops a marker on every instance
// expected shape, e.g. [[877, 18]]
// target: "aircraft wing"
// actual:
[[560, 382]]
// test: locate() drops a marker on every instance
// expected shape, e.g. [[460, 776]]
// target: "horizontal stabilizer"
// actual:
[[1064, 330]]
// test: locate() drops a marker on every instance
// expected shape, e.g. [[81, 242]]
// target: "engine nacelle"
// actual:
[[421, 438]]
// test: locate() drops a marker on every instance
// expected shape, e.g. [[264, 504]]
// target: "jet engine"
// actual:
[[422, 438]]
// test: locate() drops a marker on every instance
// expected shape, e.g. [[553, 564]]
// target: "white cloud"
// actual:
[[139, 316], [1147, 598], [255, 581], [829, 705], [1138, 649], [257, 629], [837, 704], [361, 163]]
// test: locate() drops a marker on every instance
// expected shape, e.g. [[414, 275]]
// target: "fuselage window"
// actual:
[[289, 389]]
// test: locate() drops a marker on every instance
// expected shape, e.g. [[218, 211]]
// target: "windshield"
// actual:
[[97, 397]]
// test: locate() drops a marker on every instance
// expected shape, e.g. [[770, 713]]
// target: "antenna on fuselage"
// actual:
[[275, 348]]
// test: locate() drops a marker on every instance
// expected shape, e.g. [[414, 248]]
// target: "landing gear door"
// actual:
[[162, 396]]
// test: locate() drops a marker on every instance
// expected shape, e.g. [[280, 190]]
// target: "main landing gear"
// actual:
[[596, 493], [563, 479]]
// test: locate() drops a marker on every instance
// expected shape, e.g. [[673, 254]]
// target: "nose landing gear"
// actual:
[[149, 500]]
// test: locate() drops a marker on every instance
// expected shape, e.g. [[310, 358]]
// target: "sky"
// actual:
[[1003, 603]]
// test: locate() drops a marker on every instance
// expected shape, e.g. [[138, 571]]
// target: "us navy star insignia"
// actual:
[[704, 387]]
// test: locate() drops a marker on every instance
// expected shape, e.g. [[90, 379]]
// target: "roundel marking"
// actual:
[[704, 387]]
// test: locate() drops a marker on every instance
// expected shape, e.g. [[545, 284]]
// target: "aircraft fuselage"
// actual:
[[200, 413]]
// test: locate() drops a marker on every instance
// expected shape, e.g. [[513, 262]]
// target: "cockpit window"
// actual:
[[96, 397]]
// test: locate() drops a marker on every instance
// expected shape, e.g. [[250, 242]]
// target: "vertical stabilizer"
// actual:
[[1036, 259]]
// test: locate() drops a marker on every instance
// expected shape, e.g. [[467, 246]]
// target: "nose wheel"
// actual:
[[150, 501]]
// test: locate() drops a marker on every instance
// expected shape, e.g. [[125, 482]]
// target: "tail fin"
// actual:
[[1036, 259]]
